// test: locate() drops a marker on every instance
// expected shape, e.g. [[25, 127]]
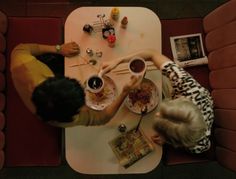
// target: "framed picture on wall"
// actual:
[[188, 50]]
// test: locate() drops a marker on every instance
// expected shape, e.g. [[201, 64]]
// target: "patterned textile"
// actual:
[[185, 86]]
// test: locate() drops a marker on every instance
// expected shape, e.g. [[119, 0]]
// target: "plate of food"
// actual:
[[102, 99], [146, 95]]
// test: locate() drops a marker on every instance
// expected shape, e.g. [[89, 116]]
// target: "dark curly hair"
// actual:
[[58, 99]]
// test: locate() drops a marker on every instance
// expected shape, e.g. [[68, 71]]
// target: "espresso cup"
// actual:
[[137, 66], [95, 84]]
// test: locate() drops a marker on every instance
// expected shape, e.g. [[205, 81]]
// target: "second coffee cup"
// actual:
[[137, 66]]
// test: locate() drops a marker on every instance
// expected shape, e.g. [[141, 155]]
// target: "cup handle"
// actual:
[[100, 73]]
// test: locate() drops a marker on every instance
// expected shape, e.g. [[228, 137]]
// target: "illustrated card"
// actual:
[[130, 147]]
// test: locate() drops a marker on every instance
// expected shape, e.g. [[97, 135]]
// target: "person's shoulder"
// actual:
[[20, 46], [23, 47], [20, 55], [20, 49]]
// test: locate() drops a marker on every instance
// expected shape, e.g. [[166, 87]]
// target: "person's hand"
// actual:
[[107, 67], [70, 49], [158, 139], [133, 83]]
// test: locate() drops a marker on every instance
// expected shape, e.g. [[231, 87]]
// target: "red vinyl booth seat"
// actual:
[[3, 29], [29, 141], [219, 33], [220, 28]]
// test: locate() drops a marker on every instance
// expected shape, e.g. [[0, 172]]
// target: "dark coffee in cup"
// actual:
[[95, 84], [137, 65]]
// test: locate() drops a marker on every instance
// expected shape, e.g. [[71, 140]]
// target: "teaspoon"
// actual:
[[143, 112]]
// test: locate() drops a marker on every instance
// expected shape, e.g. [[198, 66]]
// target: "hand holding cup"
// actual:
[[137, 67]]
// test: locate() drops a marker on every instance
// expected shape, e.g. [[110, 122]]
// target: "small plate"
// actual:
[[147, 95], [104, 98]]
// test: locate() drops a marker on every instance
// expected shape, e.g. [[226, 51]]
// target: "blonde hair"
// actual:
[[180, 123]]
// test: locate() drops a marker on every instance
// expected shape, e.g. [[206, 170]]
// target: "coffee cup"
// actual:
[[137, 66], [95, 84]]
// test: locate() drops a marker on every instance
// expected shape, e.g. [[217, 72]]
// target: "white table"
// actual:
[[87, 149]]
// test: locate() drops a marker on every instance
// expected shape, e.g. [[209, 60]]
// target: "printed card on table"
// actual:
[[188, 50], [130, 147]]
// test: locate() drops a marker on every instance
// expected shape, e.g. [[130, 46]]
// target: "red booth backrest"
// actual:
[[3, 29], [220, 28], [29, 141]]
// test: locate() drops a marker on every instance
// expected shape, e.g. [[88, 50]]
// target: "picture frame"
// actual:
[[188, 50]]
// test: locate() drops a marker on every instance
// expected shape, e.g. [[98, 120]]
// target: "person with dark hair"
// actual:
[[57, 100]]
